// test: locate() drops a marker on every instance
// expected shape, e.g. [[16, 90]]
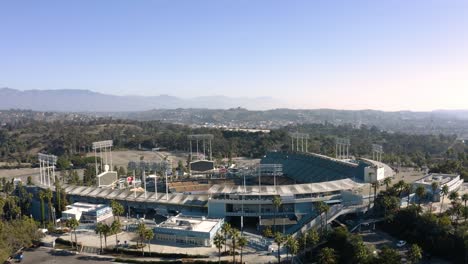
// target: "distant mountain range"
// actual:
[[89, 101]]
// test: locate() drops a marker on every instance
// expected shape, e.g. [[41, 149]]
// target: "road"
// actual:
[[49, 256]]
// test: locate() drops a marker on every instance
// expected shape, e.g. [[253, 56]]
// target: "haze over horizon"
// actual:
[[383, 55]]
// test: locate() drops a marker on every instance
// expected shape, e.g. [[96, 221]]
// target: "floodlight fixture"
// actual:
[[205, 139], [46, 168], [342, 148], [298, 139]]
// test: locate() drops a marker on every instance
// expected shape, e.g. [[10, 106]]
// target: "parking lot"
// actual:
[[47, 255]]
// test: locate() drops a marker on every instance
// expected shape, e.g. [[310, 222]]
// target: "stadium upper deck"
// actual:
[[310, 167]]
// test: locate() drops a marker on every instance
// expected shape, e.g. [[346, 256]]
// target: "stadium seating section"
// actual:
[[310, 168]]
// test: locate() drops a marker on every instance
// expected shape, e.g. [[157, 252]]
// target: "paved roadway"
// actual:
[[49, 256]]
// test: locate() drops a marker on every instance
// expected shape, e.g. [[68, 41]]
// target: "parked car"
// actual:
[[401, 243]]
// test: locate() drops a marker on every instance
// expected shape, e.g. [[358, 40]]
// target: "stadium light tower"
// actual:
[[46, 168], [104, 147], [271, 169], [299, 138], [377, 151], [206, 139], [342, 148]]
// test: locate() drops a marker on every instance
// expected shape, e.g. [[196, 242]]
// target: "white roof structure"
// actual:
[[344, 184], [196, 224], [77, 209], [127, 195], [441, 179]]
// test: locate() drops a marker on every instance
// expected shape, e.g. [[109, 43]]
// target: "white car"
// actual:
[[401, 243]]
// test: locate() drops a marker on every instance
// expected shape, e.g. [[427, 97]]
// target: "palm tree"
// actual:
[[414, 254], [465, 199], [41, 198], [293, 246], [117, 209], [48, 196], [149, 234], [387, 181], [279, 239], [234, 236], [313, 237], [58, 191], [327, 256], [400, 186], [106, 230], [445, 191], [99, 230], [323, 208], [434, 187], [277, 204], [116, 228], [453, 196], [226, 229], [375, 185], [408, 188], [72, 223], [141, 229], [288, 243], [420, 192], [241, 242], [219, 241]]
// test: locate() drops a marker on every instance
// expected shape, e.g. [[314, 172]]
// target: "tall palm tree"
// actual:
[[400, 186], [288, 242], [420, 192], [241, 242], [327, 256], [226, 229], [434, 187], [116, 227], [444, 191], [279, 239], [58, 190], [323, 208], [387, 181], [141, 229], [42, 196], [117, 209], [313, 237], [72, 223], [48, 196], [99, 230], [234, 237], [293, 246], [408, 190], [453, 196], [465, 199], [149, 234], [277, 204], [219, 241], [375, 185], [106, 231]]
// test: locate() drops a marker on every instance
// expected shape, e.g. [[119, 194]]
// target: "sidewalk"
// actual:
[[91, 239]]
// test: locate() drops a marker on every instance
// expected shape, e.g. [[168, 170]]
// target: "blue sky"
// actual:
[[386, 55]]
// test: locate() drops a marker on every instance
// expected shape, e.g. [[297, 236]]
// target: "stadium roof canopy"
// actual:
[[338, 185]]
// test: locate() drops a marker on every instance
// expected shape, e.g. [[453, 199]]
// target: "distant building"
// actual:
[[87, 213], [452, 181], [196, 231]]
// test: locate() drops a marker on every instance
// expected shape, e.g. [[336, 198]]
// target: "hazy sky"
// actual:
[[346, 54]]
